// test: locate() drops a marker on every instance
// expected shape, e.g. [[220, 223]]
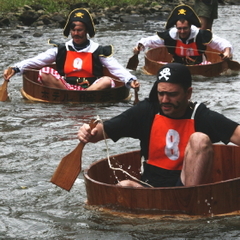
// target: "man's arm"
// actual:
[[222, 45], [235, 138], [226, 53], [148, 42]]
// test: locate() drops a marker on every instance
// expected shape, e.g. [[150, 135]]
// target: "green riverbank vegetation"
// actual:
[[57, 5]]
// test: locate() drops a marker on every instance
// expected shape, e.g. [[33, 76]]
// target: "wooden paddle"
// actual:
[[70, 166], [233, 65], [3, 88], [136, 100], [133, 62]]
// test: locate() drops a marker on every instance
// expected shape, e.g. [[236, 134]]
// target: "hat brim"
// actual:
[[81, 15], [183, 12]]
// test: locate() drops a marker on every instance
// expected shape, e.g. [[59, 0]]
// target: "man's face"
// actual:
[[79, 32], [183, 29], [173, 99]]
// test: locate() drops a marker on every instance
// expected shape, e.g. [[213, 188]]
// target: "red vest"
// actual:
[[168, 140], [78, 64], [185, 50]]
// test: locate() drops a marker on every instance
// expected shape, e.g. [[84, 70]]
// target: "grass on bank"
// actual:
[[52, 6]]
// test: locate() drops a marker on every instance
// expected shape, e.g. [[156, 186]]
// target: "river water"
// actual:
[[36, 136]]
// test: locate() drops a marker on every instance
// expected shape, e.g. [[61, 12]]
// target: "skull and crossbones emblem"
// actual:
[[165, 73]]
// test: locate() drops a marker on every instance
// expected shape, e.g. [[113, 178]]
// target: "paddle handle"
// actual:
[[136, 100]]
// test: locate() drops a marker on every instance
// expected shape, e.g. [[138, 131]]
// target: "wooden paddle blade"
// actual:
[[3, 91], [68, 169], [133, 62], [70, 166], [233, 65]]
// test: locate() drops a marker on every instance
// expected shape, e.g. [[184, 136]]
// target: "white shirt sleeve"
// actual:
[[42, 59], [151, 42], [117, 69], [220, 44]]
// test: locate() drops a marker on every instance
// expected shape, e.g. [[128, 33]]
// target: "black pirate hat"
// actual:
[[183, 12], [81, 15], [171, 73]]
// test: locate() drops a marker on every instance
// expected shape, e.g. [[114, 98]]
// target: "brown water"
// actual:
[[35, 137]]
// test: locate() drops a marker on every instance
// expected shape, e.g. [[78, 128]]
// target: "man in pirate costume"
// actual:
[[184, 40], [175, 134], [79, 61]]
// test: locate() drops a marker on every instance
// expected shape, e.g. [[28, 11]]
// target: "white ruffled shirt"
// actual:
[[49, 57], [155, 41]]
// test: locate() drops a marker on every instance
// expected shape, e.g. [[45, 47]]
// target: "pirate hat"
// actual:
[[175, 73], [81, 15], [183, 12]]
